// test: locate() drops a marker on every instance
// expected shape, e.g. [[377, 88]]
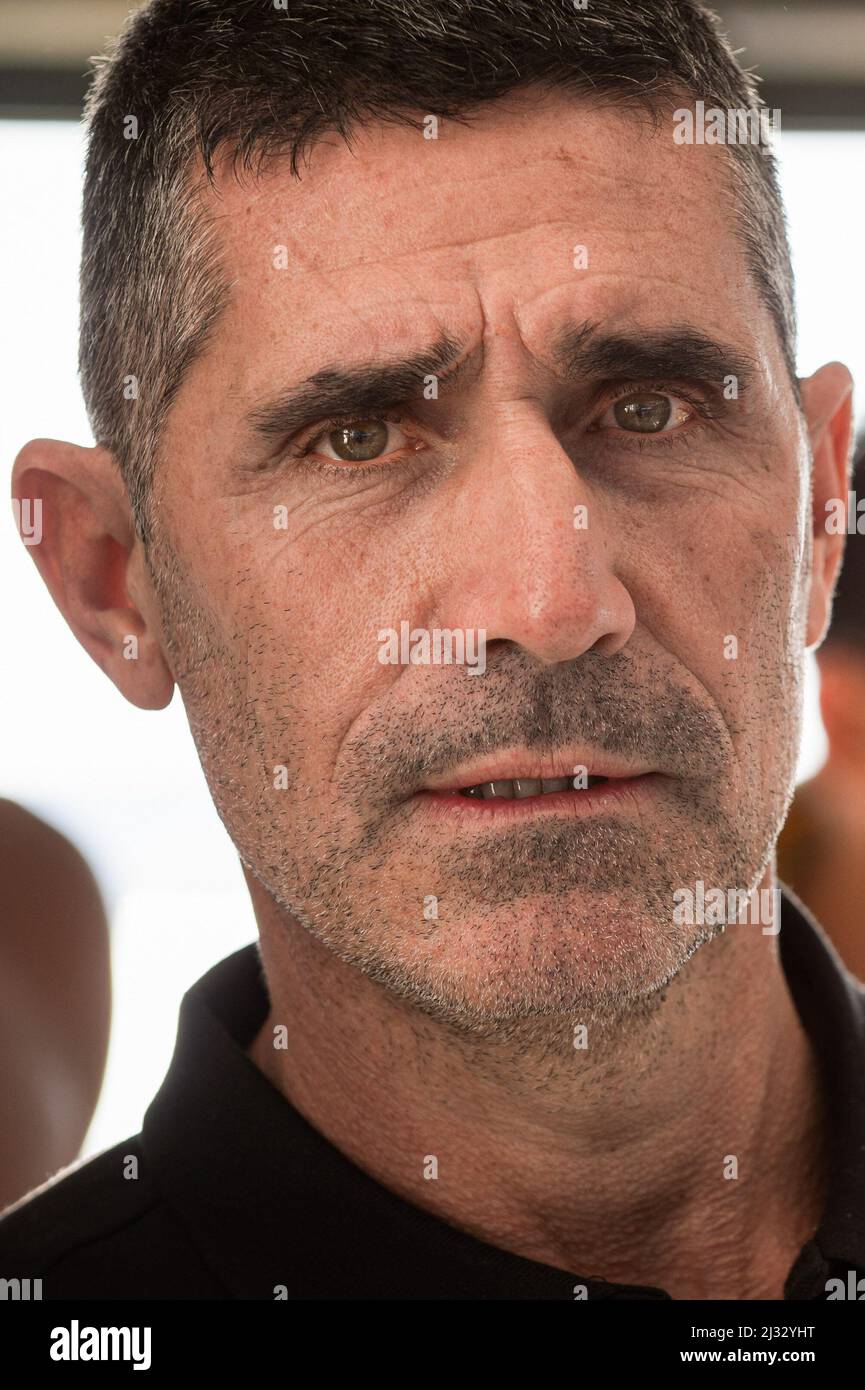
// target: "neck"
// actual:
[[684, 1151]]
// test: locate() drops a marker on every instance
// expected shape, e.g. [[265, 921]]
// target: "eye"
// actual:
[[646, 412], [357, 441]]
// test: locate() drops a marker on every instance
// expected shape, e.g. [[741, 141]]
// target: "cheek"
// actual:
[[305, 624], [727, 602], [761, 676], [384, 569]]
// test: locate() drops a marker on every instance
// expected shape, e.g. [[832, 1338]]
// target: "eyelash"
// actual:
[[330, 468], [701, 407]]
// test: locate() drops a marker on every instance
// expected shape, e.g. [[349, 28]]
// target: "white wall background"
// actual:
[[125, 784]]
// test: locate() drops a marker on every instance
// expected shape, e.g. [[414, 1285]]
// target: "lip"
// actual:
[[513, 763], [617, 794]]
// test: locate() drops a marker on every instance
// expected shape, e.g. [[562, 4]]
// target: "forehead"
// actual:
[[542, 209]]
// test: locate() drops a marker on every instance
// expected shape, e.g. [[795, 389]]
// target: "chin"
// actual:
[[543, 958]]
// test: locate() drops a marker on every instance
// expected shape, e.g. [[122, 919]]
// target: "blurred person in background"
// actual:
[[821, 851], [55, 1000]]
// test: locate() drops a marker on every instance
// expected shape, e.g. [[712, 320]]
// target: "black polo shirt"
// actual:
[[229, 1193]]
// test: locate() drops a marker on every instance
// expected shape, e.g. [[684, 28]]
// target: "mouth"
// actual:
[[523, 788], [516, 788]]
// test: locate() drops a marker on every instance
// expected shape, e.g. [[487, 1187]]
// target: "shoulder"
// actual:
[[100, 1230]]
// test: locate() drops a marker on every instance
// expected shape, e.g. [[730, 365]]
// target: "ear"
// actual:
[[827, 402], [74, 517]]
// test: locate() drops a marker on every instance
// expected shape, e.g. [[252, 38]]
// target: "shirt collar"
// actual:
[[831, 1005], [268, 1202]]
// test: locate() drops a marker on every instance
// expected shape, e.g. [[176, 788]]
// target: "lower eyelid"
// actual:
[[683, 437], [333, 468]]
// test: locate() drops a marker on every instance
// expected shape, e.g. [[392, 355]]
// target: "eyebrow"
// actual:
[[579, 351], [681, 351], [363, 389]]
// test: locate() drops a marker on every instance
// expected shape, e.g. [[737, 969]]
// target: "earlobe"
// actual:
[[827, 402], [75, 520]]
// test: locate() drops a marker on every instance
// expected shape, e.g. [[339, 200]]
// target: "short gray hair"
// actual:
[[190, 79]]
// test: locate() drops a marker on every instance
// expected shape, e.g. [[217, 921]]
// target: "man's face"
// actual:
[[656, 635]]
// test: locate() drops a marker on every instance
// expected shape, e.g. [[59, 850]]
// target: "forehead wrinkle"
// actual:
[[339, 196]]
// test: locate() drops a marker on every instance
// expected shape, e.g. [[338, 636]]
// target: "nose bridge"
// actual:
[[536, 564], [542, 483]]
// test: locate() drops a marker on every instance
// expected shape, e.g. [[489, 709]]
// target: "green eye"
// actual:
[[359, 441], [646, 413]]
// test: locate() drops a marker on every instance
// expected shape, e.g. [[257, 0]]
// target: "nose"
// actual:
[[534, 559]]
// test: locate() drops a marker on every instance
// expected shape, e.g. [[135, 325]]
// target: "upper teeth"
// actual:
[[516, 787]]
